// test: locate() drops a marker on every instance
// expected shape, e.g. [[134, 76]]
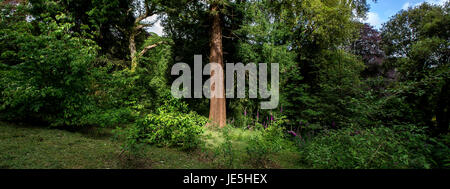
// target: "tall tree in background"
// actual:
[[416, 42], [145, 9], [217, 110], [198, 27], [116, 25], [306, 39], [368, 46]]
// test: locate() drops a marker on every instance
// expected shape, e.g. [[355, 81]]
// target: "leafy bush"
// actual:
[[45, 76], [266, 143], [441, 151], [169, 129], [122, 95], [401, 147], [112, 117], [224, 153]]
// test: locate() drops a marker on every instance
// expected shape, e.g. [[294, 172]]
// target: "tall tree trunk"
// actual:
[[133, 51], [135, 31], [217, 108]]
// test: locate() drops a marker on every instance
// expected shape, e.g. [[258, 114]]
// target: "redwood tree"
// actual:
[[217, 109]]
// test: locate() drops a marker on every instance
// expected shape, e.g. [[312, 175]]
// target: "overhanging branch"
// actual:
[[150, 47]]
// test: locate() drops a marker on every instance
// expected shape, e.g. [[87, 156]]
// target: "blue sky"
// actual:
[[383, 9]]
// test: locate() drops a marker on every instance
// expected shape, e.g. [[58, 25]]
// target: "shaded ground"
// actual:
[[25, 146]]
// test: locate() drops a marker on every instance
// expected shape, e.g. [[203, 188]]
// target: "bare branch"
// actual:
[[150, 47], [145, 15], [140, 26]]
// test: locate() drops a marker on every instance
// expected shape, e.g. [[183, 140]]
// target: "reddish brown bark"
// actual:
[[217, 109]]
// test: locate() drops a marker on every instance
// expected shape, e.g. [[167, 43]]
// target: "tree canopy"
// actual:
[[95, 63]]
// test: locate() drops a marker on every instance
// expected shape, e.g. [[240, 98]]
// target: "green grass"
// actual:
[[34, 146], [287, 158], [24, 147]]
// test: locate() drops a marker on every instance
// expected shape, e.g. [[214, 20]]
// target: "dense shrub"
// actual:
[[401, 147], [45, 74], [441, 151], [111, 117], [122, 96], [225, 154], [268, 141], [169, 129]]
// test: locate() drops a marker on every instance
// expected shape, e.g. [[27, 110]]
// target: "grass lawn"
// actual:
[[34, 146]]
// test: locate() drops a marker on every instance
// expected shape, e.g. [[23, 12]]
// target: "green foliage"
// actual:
[[66, 63], [122, 96], [441, 151], [112, 117], [225, 154], [381, 147], [104, 21], [416, 42], [43, 76], [265, 144], [168, 129], [339, 85]]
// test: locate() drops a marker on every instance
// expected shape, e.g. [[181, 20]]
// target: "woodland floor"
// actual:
[[25, 146]]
